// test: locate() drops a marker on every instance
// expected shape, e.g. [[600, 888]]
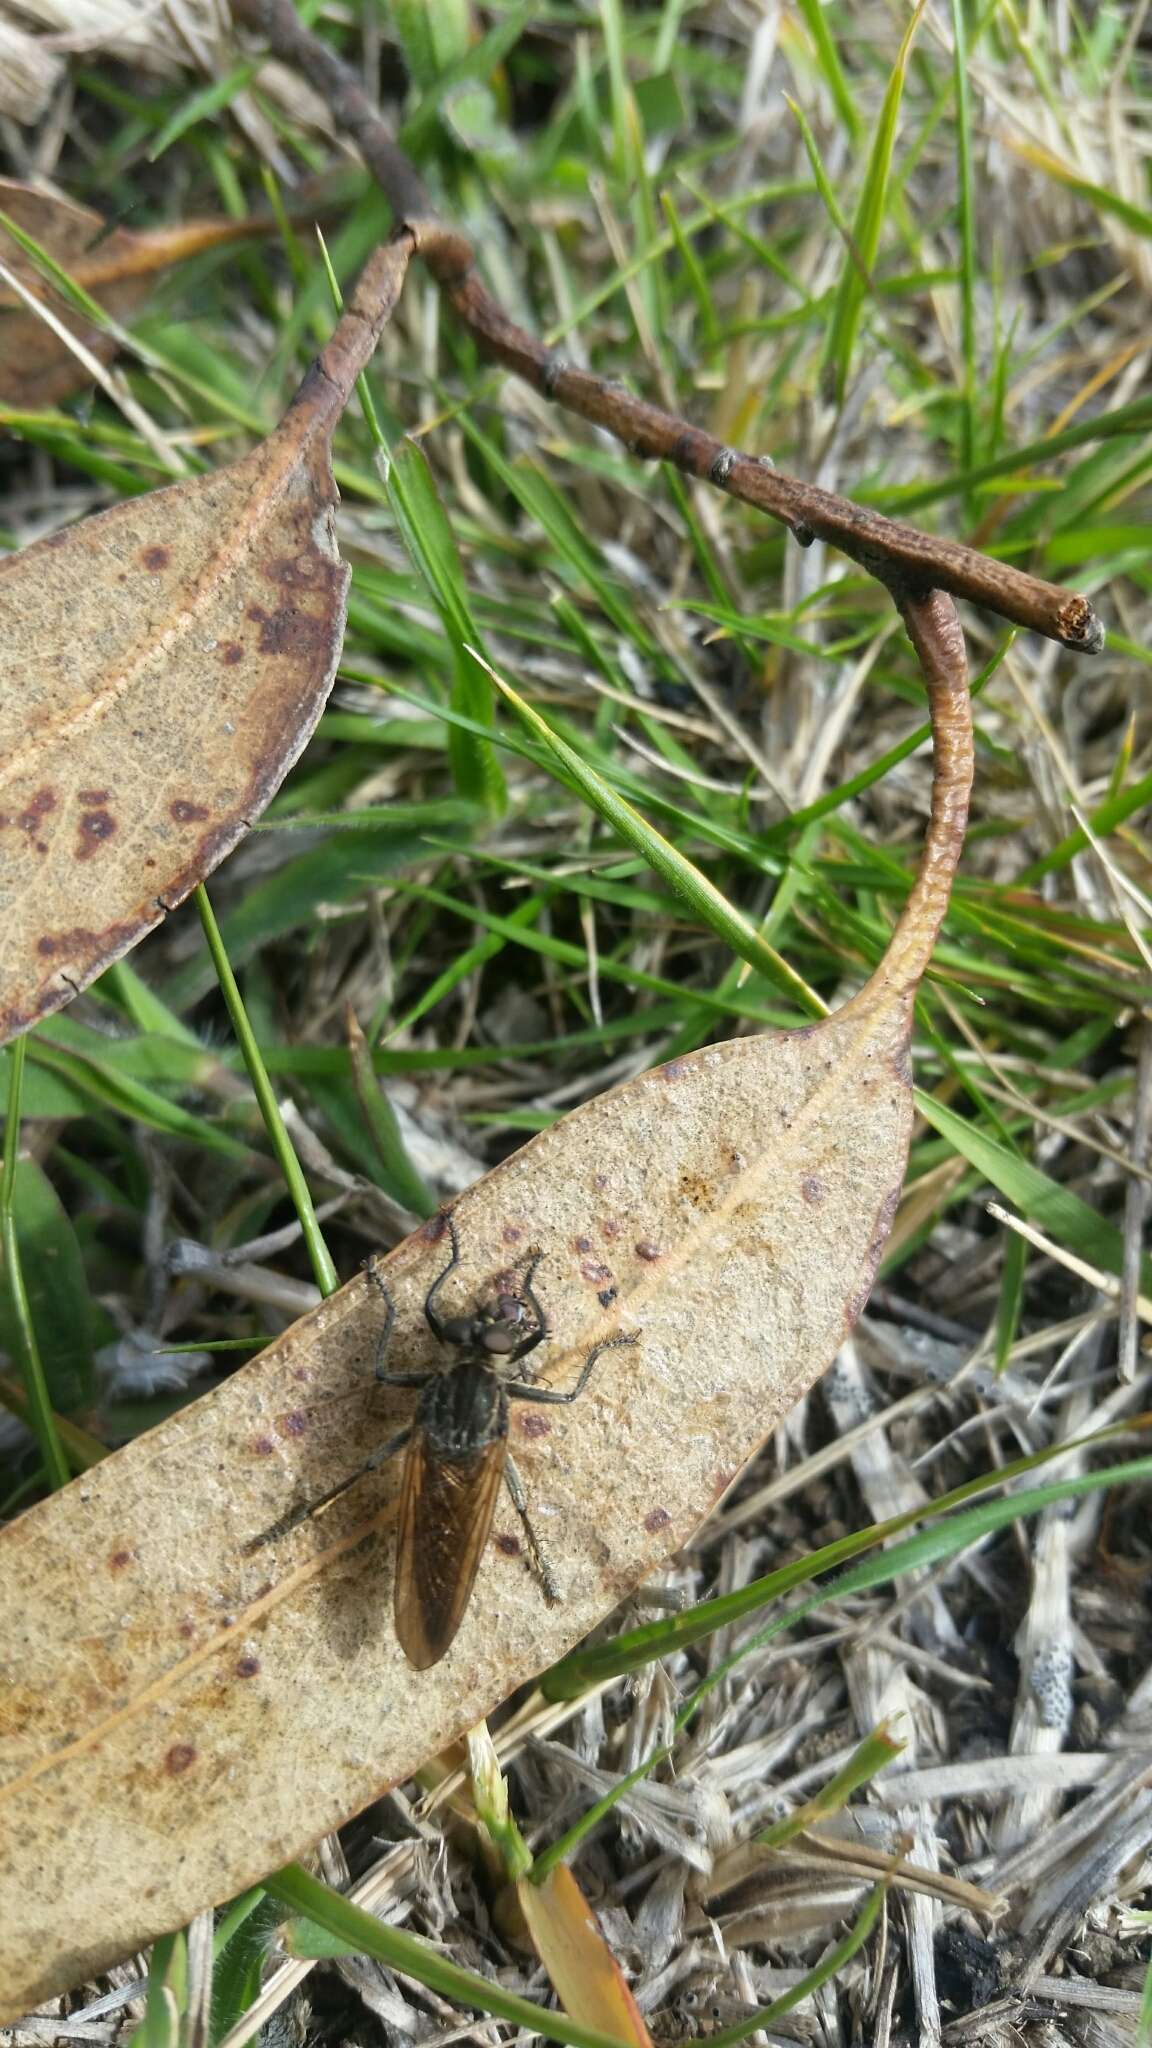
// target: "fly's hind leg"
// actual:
[[295, 1516], [536, 1557]]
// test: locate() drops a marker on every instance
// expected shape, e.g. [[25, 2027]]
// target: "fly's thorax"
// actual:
[[463, 1410]]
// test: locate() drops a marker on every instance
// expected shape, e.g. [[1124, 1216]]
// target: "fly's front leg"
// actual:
[[549, 1394], [389, 1379], [431, 1313], [372, 1268], [536, 1557]]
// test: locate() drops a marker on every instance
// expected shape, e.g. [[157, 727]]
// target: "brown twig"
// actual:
[[910, 562], [933, 627]]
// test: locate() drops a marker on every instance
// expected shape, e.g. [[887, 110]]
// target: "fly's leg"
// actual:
[[295, 1516], [389, 1379], [541, 1331], [536, 1557], [530, 1271], [431, 1315], [372, 1268], [549, 1394]]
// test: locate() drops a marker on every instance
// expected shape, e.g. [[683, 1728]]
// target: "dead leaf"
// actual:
[[166, 662], [581, 1967], [162, 1684], [115, 267]]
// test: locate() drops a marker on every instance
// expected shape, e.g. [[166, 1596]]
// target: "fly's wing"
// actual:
[[446, 1510]]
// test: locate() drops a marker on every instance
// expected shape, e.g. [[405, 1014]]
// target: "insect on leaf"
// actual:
[[165, 663]]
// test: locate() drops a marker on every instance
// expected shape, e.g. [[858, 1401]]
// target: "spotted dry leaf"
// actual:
[[163, 1681], [164, 664]]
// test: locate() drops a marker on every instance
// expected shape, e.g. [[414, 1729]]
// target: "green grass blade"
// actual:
[[1043, 1201], [428, 537], [41, 1419], [325, 1274], [866, 226], [363, 1934], [701, 895]]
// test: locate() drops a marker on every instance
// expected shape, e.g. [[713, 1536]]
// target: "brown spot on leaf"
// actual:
[[594, 1272], [812, 1188], [37, 808], [263, 1446], [156, 558], [120, 1558], [92, 796], [187, 1629], [302, 572], [65, 942], [288, 631], [231, 652], [534, 1425], [607, 1295], [656, 1518], [644, 1250], [185, 812], [674, 1070], [583, 1244], [180, 1757], [293, 1424], [508, 1545], [512, 1233], [247, 1667], [902, 1065], [96, 827]]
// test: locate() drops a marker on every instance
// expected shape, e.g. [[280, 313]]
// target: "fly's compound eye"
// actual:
[[509, 1308], [499, 1339]]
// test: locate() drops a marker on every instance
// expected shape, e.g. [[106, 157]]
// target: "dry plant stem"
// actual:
[[327, 385], [935, 632], [884, 547]]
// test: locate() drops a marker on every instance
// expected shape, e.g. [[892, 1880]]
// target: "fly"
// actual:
[[456, 1453]]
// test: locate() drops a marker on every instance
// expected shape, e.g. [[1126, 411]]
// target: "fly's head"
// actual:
[[494, 1330]]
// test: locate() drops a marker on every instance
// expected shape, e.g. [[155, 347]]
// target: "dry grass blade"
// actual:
[[750, 1184], [166, 663], [583, 1972]]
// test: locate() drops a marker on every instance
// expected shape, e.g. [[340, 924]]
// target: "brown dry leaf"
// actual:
[[581, 1967], [161, 1684], [116, 268], [165, 663]]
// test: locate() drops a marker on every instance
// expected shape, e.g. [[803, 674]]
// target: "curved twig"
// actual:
[[887, 548], [934, 629]]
